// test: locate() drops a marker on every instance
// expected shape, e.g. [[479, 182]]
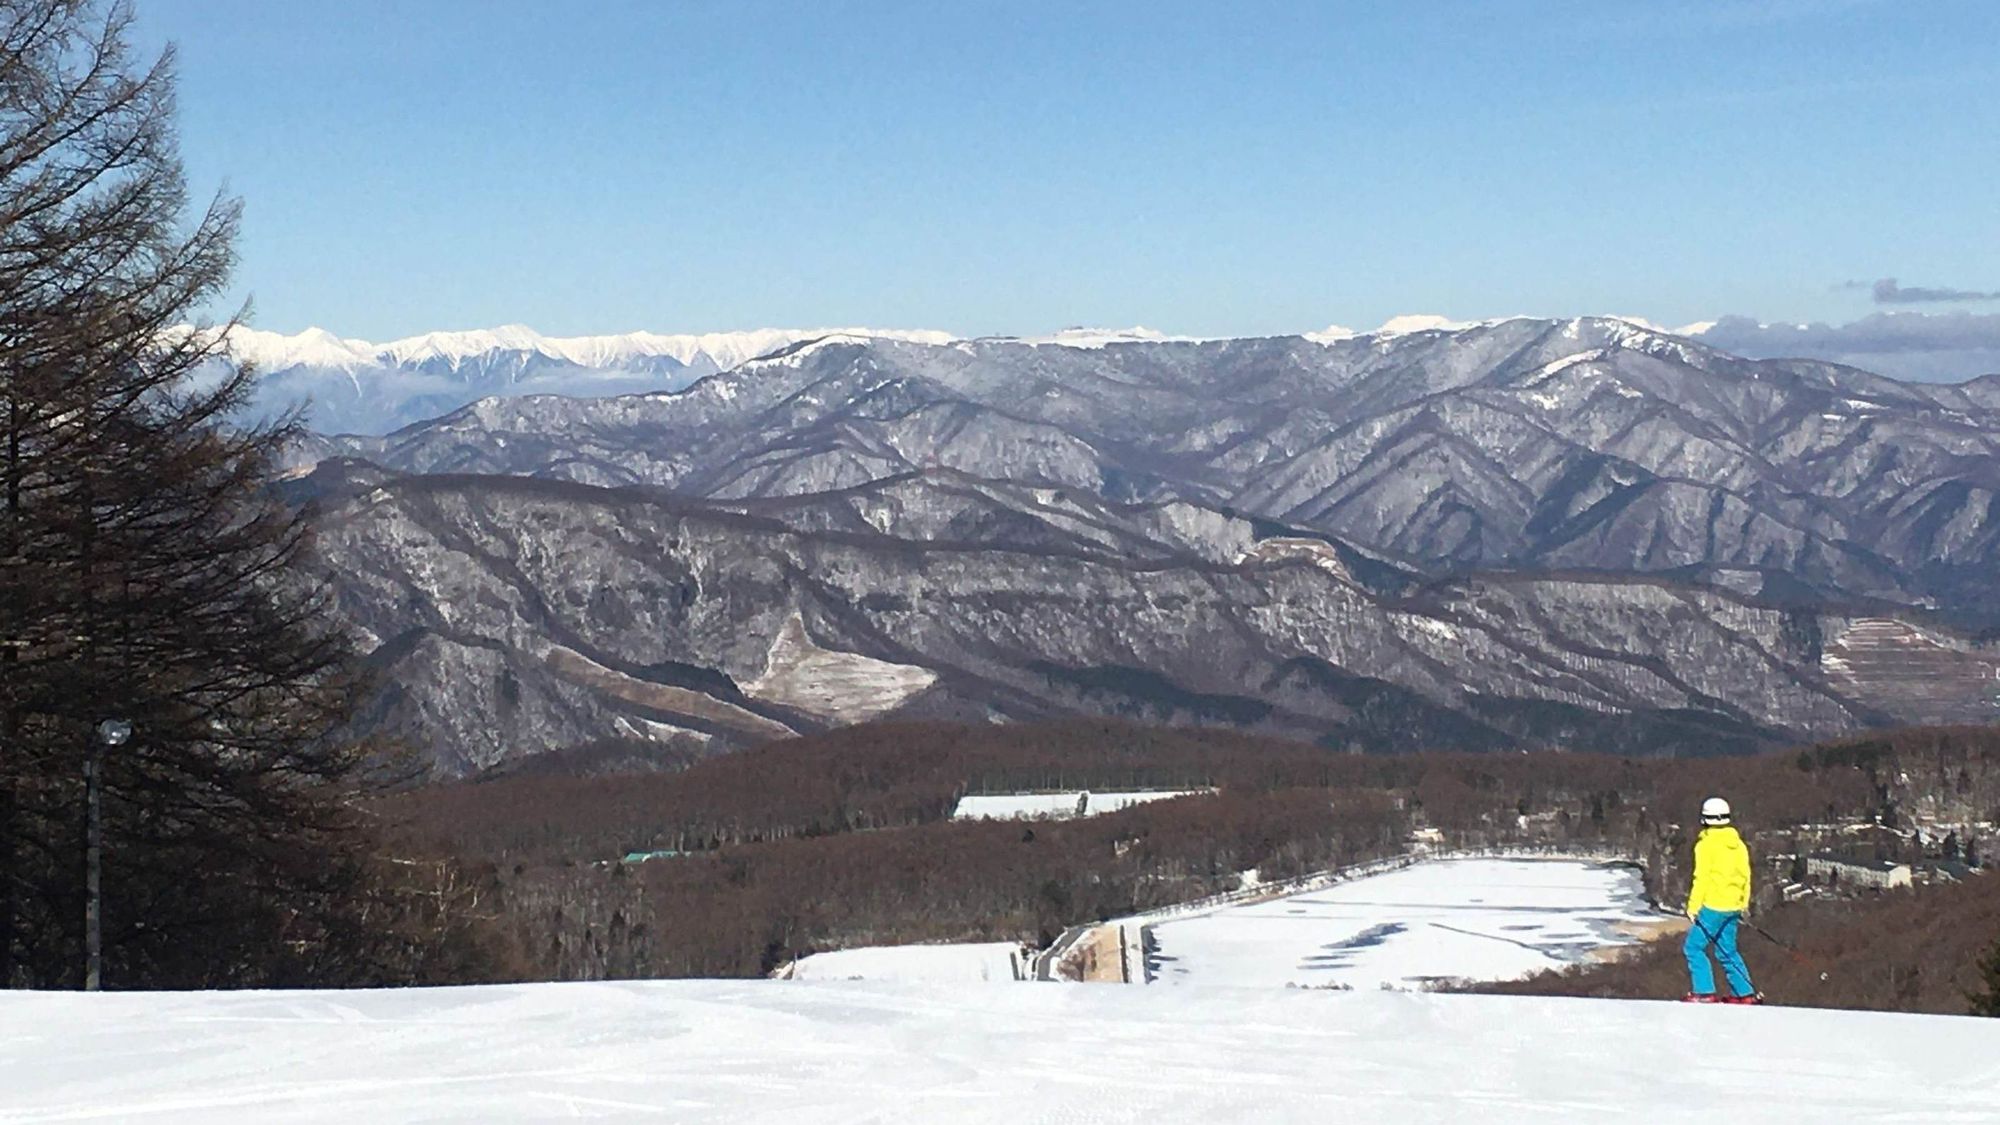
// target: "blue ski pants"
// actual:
[[1716, 930]]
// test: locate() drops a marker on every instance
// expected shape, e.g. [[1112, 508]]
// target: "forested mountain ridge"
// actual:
[[511, 615], [1525, 533], [1589, 443]]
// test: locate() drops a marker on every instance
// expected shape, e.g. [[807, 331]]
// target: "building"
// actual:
[[1879, 874], [641, 857]]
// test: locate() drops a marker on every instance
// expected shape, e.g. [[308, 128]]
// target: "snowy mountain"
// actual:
[[510, 615], [1517, 533], [354, 386], [1524, 444], [360, 387], [779, 1051]]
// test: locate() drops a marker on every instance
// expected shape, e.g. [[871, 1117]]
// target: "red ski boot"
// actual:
[[1753, 998], [1698, 998]]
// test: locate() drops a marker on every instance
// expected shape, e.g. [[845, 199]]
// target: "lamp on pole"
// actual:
[[110, 734]]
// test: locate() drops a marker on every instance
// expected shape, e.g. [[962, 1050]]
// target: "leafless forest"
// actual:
[[845, 839]]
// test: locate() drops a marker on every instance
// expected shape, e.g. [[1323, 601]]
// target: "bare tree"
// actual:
[[1986, 999]]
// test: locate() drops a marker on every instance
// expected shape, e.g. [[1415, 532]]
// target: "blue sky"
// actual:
[[1017, 167]]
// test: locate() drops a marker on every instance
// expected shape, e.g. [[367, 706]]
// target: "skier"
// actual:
[[1715, 906]]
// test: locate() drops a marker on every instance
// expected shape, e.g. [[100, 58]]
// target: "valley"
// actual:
[[411, 715]]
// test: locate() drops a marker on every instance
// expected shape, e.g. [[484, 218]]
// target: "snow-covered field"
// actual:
[[701, 1052], [1016, 806], [1481, 919], [1112, 802], [981, 961], [1055, 806]]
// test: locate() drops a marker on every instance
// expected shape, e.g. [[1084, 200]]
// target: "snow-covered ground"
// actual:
[[1111, 802], [1057, 805], [846, 687], [1016, 806], [700, 1052], [981, 961], [1481, 919]]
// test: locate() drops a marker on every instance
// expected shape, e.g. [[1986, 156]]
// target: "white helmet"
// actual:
[[1715, 810]]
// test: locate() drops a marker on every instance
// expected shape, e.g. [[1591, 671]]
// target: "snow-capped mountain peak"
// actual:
[[1081, 337], [317, 347], [1411, 323], [456, 347], [358, 386]]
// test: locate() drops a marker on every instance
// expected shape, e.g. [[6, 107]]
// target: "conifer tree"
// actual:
[[147, 574]]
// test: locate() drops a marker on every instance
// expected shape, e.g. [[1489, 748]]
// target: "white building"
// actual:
[[1880, 874]]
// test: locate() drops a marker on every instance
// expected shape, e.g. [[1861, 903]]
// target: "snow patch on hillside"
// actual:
[[1285, 548], [845, 687], [580, 669], [1411, 624], [1556, 367]]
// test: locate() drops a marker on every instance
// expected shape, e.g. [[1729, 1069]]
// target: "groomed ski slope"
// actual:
[[936, 964], [1477, 919], [1059, 805], [1007, 1054]]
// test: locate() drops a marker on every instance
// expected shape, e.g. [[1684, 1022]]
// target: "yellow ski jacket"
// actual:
[[1721, 871]]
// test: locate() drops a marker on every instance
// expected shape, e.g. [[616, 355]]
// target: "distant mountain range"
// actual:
[[1524, 532], [354, 386]]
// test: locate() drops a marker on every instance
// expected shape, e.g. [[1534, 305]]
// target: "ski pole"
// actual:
[[1788, 947], [1775, 939]]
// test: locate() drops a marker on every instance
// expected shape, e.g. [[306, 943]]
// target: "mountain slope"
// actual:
[[511, 615], [715, 1051], [1591, 444]]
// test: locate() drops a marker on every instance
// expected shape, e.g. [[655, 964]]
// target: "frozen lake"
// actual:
[[1480, 919]]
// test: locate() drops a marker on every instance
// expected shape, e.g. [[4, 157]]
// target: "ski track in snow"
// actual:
[[845, 1053]]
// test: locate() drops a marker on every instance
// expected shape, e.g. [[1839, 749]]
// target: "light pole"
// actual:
[[110, 734]]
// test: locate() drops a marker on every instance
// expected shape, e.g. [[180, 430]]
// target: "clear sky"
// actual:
[[1206, 168]]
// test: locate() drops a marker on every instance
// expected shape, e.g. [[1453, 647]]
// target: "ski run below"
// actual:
[[852, 1052], [1472, 919], [940, 964], [1058, 805]]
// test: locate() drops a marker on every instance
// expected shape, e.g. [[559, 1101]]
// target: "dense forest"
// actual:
[[845, 839]]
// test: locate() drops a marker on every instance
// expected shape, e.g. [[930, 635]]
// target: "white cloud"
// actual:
[[1911, 345]]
